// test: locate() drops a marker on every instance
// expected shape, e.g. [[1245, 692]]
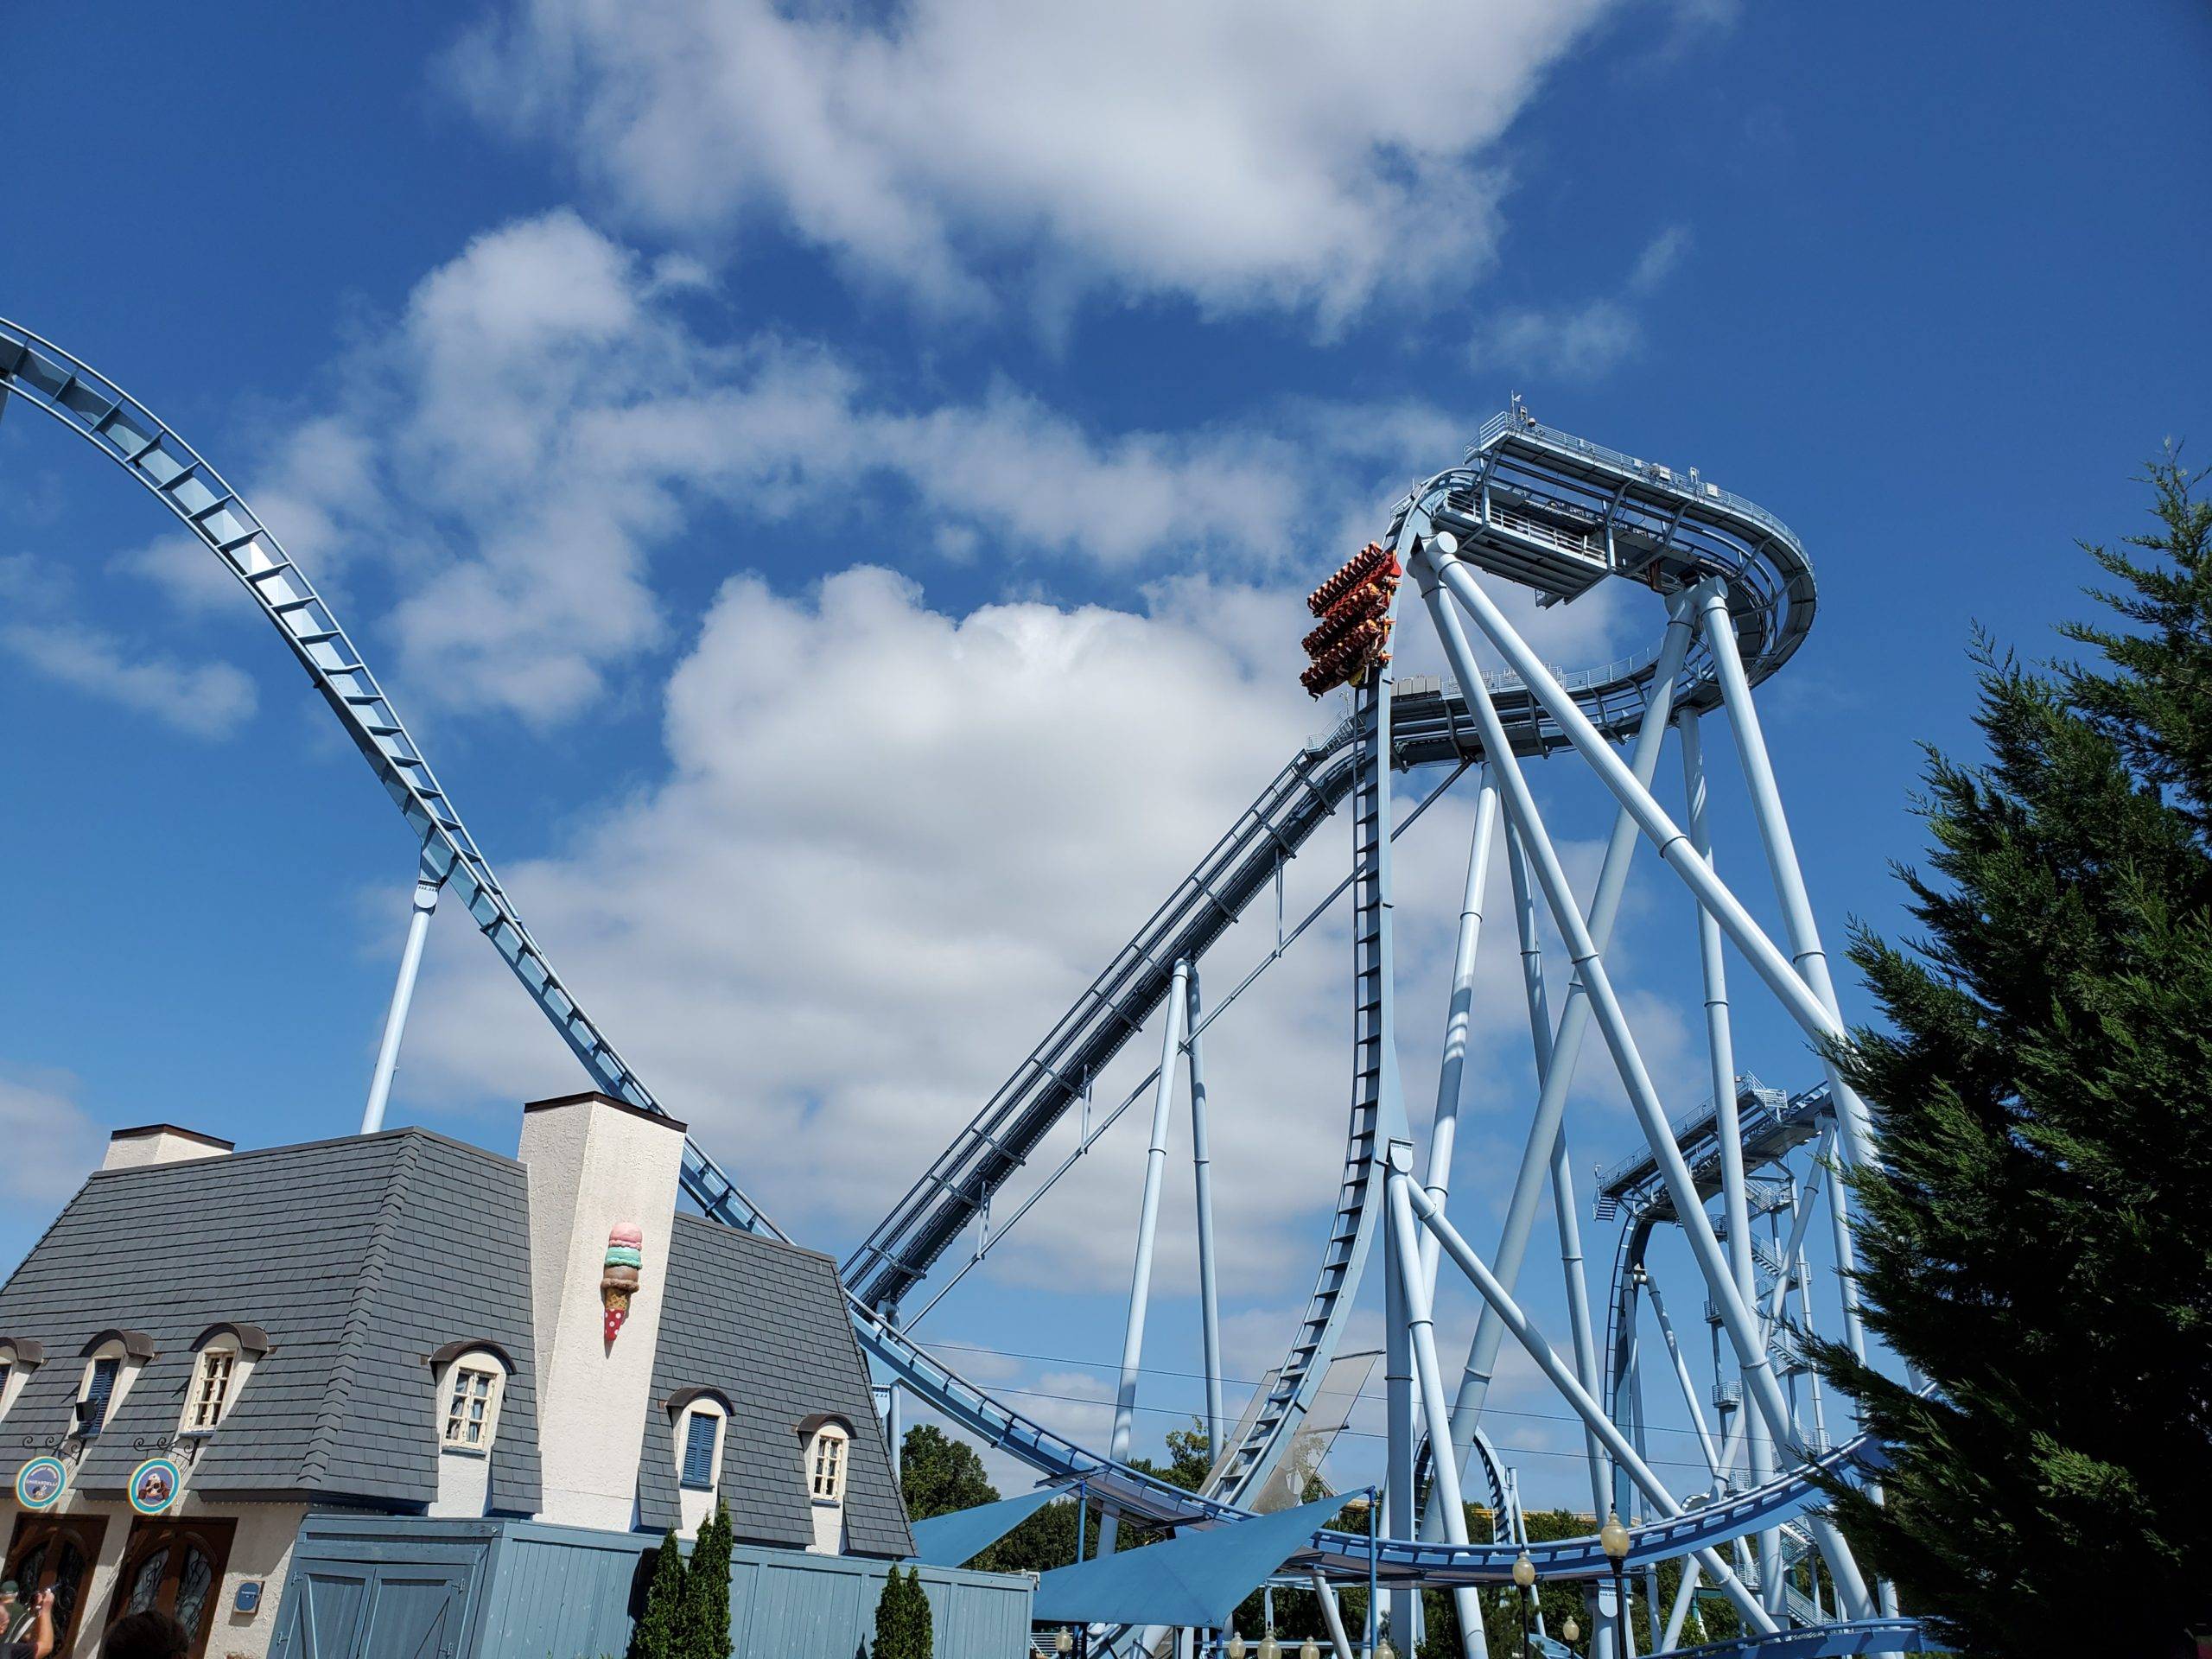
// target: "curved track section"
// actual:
[[1142, 1496], [1538, 507], [171, 470]]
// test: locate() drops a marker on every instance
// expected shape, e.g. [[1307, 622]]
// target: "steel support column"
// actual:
[[1584, 1404], [1458, 1014], [1202, 1183], [1155, 1163], [1720, 1047], [1566, 1045], [402, 996], [1604, 1003]]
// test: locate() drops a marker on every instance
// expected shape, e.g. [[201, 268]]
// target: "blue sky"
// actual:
[[605, 363]]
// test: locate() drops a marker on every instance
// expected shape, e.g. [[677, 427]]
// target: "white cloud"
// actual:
[[1245, 155], [206, 700], [893, 844], [1585, 340], [542, 420], [53, 1143]]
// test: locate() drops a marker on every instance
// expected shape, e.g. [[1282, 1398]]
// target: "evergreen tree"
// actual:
[[705, 1629], [2039, 1241], [903, 1629], [658, 1633], [939, 1475]]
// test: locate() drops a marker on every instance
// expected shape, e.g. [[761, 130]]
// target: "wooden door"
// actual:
[[56, 1552], [174, 1566]]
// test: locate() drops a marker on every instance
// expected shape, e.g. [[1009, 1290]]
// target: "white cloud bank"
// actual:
[[893, 844], [1246, 155], [542, 421]]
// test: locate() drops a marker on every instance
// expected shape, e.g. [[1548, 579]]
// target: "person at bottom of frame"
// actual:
[[15, 1613], [149, 1634], [38, 1639]]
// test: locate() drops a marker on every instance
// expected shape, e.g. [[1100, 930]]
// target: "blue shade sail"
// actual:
[[1195, 1580], [956, 1539]]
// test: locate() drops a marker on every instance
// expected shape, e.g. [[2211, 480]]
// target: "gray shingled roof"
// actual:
[[361, 1257], [764, 1322]]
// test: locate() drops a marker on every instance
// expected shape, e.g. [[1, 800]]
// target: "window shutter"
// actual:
[[93, 1412], [699, 1451]]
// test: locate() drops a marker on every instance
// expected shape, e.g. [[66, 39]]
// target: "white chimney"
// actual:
[[159, 1143], [594, 1164]]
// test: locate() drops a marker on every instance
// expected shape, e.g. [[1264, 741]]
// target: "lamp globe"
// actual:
[[1612, 1538], [1524, 1572]]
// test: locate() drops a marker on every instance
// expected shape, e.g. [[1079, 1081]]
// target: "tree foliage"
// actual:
[[658, 1631], [705, 1626], [2039, 1241], [903, 1629]]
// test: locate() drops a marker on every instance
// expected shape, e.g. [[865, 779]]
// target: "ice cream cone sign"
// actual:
[[617, 1280]]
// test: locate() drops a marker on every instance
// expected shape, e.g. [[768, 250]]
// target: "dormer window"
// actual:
[[113, 1362], [469, 1381], [471, 1405], [19, 1357], [829, 1471], [99, 1388], [702, 1440], [698, 1421], [226, 1355], [825, 1440]]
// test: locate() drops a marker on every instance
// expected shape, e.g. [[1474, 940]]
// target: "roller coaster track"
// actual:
[[171, 470], [1502, 502]]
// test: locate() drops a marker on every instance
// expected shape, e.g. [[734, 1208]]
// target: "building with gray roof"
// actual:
[[206, 1345]]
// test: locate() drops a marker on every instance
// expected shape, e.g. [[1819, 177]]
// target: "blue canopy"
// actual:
[[1195, 1580], [955, 1539]]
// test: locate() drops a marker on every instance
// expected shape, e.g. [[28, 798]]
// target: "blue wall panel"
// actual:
[[525, 1590]]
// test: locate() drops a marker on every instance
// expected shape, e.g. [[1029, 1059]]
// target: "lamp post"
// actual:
[[1236, 1644], [1524, 1574], [1570, 1631], [1612, 1538], [1064, 1641], [1269, 1648]]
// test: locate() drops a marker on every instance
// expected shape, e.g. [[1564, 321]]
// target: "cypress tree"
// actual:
[[706, 1591], [902, 1618], [2039, 1241], [659, 1632]]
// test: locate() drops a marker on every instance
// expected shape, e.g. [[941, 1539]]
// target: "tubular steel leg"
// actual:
[[1460, 1017], [1612, 1023], [1566, 1045], [403, 993], [1728, 1130], [1584, 1404], [1155, 1161], [1797, 1000], [1332, 1616], [1201, 1181], [1398, 1401], [1685, 1594], [893, 1418], [1563, 1205], [1807, 957], [1405, 1239]]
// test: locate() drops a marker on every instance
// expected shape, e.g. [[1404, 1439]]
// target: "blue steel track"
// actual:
[[1526, 490]]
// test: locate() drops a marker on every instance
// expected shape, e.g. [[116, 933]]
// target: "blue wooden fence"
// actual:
[[406, 1587]]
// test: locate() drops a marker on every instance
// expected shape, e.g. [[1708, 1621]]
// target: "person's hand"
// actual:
[[45, 1600]]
